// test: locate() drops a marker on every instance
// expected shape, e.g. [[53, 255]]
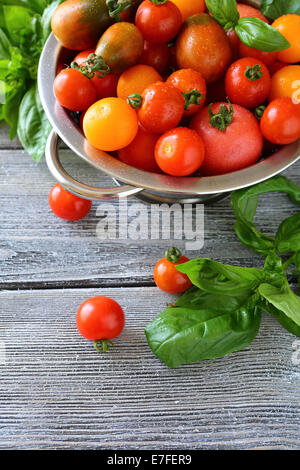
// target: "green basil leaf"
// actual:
[[273, 272], [33, 126], [284, 304], [217, 278], [183, 336], [256, 33], [225, 12], [244, 203], [275, 8], [46, 17], [4, 46], [196, 298], [288, 235]]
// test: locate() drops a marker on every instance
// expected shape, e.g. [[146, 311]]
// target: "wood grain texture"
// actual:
[[57, 392]]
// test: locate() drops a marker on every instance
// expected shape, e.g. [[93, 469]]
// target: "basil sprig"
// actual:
[[221, 313], [273, 9], [253, 32]]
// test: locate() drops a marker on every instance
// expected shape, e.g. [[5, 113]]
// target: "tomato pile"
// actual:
[[173, 89]]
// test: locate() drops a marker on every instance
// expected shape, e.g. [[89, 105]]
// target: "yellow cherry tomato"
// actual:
[[190, 7], [136, 79], [286, 82], [289, 27]]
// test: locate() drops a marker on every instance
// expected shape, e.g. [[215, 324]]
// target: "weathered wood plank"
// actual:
[[37, 247], [57, 392], [5, 142]]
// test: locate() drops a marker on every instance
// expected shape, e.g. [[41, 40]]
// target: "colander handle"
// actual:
[[80, 189]]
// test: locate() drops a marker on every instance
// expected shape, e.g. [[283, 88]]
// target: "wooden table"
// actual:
[[56, 391]]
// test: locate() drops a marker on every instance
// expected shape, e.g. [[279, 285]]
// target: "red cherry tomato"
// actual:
[[179, 152], [73, 90], [162, 107], [248, 82], [157, 56], [280, 123], [193, 87], [140, 153], [66, 205], [100, 319], [236, 146], [158, 23], [268, 58], [166, 276], [106, 87]]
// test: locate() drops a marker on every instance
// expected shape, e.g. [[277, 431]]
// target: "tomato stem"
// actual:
[[135, 100], [103, 345], [259, 111], [158, 2], [115, 8], [95, 65], [253, 73], [192, 97], [223, 118], [173, 255]]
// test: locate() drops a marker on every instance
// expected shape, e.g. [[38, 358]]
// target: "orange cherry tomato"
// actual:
[[73, 90], [286, 82], [166, 276], [189, 8], [180, 152], [136, 79], [157, 56], [289, 27], [110, 124], [193, 87], [140, 153], [280, 123], [66, 205]]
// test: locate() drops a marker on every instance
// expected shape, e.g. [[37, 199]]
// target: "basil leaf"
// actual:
[[46, 18], [288, 235], [225, 12], [196, 298], [256, 33], [217, 278], [183, 336], [244, 203], [4, 46], [284, 304], [33, 126], [275, 8]]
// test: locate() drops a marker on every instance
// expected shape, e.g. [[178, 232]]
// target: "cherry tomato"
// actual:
[[105, 87], [136, 79], [289, 27], [280, 123], [277, 65], [162, 107], [286, 82], [73, 90], [166, 276], [157, 56], [100, 318], [248, 82], [110, 124], [179, 152], [140, 153], [193, 87], [158, 23], [190, 7], [66, 205], [231, 136], [268, 58]]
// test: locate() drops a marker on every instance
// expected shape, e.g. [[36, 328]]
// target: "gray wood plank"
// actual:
[[57, 392], [37, 247], [5, 142]]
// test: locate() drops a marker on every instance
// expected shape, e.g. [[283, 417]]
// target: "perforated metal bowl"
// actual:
[[131, 181]]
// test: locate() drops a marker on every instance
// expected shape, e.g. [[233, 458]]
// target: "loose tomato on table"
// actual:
[[106, 86], [180, 152], [157, 56], [193, 88], [73, 90], [231, 136], [141, 152], [166, 276], [248, 82], [110, 124], [66, 205], [100, 319], [286, 82], [160, 107], [289, 27], [280, 123], [136, 79], [158, 20]]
